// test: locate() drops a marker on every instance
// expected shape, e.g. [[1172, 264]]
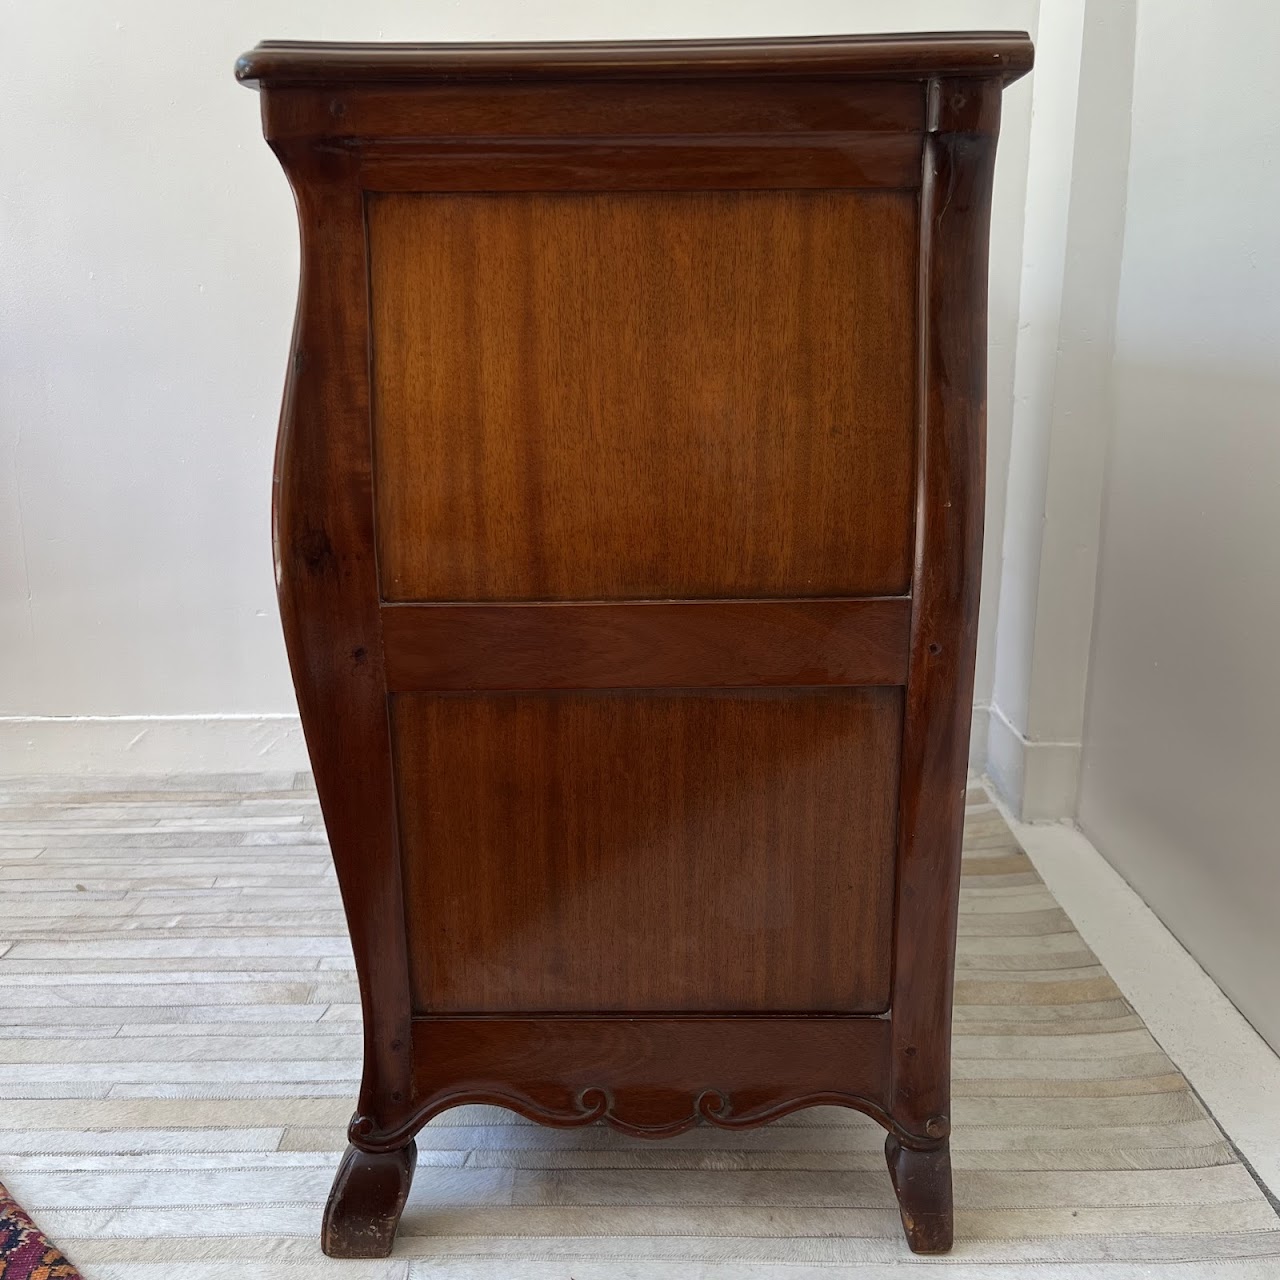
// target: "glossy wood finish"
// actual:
[[632, 396], [625, 135], [955, 216], [990, 55], [628, 519], [654, 1077], [841, 160], [646, 644], [322, 525], [658, 852], [621, 110]]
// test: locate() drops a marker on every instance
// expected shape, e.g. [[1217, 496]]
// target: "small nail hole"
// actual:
[[935, 648]]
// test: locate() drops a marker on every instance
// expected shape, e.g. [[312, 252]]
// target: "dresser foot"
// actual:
[[366, 1201], [922, 1180]]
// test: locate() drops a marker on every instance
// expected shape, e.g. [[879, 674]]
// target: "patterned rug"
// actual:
[[180, 1048], [25, 1253]]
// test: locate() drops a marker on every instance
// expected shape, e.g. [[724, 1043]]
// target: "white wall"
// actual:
[[148, 255], [1061, 415], [1182, 753]]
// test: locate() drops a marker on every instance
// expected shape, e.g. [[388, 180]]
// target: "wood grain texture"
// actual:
[[735, 363], [322, 524], [646, 644], [651, 1077], [614, 112], [956, 211], [859, 161], [999, 55], [676, 852], [638, 396]]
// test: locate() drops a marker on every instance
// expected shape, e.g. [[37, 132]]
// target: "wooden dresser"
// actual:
[[628, 515]]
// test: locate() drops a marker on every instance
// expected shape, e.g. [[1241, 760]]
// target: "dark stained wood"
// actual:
[[922, 1183], [861, 160], [593, 112], [998, 55], [677, 852], [367, 1199], [640, 396], [322, 525], [955, 211], [652, 1077], [646, 644], [628, 526]]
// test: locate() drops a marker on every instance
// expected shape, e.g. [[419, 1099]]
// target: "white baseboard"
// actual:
[[116, 745], [1037, 780], [1227, 1062], [978, 731], [86, 746]]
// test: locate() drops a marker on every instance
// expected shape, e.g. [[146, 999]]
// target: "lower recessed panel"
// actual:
[[649, 851]]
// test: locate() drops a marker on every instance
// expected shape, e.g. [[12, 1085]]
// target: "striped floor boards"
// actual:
[[179, 1050]]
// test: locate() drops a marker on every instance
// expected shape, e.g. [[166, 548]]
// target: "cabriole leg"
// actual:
[[366, 1201], [922, 1180]]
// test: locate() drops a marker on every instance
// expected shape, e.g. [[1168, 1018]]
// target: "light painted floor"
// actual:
[[1226, 1061]]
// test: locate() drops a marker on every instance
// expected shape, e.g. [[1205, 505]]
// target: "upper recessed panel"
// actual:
[[643, 395]]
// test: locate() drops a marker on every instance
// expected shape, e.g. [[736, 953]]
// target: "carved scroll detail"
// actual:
[[624, 1111]]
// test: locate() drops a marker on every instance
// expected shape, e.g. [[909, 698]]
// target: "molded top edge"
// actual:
[[916, 56]]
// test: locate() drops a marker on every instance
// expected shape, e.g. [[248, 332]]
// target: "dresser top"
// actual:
[[916, 56]]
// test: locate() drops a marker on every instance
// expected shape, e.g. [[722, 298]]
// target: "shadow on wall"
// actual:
[[1181, 766]]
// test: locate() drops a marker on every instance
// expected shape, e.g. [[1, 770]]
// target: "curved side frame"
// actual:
[[326, 579], [323, 524], [955, 207]]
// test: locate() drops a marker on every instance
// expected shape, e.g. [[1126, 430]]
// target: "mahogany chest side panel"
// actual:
[[643, 395], [675, 851], [628, 516]]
